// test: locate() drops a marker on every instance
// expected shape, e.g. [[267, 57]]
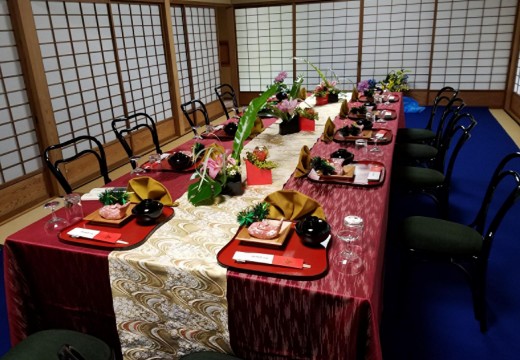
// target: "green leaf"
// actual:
[[320, 73], [295, 89], [247, 121], [203, 190]]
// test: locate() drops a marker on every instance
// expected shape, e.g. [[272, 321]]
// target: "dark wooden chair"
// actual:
[[127, 125], [227, 97], [190, 110], [94, 147], [466, 246], [427, 134], [60, 345]]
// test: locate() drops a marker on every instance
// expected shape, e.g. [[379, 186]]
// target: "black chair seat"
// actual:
[[209, 355], [414, 135], [440, 236], [46, 344], [418, 177], [415, 152]]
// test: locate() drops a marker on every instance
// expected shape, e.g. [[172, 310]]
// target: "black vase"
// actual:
[[234, 188], [289, 127], [333, 98]]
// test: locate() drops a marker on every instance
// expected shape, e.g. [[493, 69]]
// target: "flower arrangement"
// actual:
[[396, 81], [285, 109], [367, 87], [212, 175], [325, 86], [308, 113], [258, 157], [283, 90]]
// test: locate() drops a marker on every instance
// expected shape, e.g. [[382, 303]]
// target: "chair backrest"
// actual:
[[190, 110], [457, 132], [54, 167], [508, 180], [227, 97], [450, 111], [126, 125], [444, 96]]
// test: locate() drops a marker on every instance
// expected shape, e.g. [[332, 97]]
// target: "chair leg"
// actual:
[[479, 296]]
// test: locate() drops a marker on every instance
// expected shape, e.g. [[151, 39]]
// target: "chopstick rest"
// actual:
[[98, 235], [268, 259]]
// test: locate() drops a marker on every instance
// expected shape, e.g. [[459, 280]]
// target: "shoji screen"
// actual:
[[141, 56], [264, 45], [181, 54], [196, 47], [327, 35], [472, 44], [19, 152], [80, 65], [398, 34]]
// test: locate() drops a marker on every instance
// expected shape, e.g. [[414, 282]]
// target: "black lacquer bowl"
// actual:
[[343, 154], [180, 161], [147, 211], [231, 128], [312, 230]]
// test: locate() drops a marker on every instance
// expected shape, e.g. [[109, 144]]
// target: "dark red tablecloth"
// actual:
[[335, 317]]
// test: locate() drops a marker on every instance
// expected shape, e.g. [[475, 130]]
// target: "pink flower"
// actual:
[[281, 76], [214, 166], [287, 106]]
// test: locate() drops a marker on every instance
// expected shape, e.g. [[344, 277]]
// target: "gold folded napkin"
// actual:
[[344, 110], [258, 127], [355, 94], [304, 163], [145, 187], [328, 131], [292, 205]]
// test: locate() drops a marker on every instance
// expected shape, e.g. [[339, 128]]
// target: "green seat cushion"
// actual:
[[44, 345], [440, 236], [414, 135], [208, 355], [415, 151], [418, 177]]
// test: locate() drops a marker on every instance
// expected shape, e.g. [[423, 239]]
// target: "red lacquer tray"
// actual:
[[340, 179], [316, 257], [131, 232], [365, 134], [219, 134]]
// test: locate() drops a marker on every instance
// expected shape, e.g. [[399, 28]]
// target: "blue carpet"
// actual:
[[4, 330], [428, 313]]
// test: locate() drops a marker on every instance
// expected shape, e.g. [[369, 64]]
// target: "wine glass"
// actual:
[[348, 261], [375, 148], [386, 97], [137, 169], [55, 223]]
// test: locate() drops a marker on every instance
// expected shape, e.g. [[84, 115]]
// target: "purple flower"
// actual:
[[280, 77], [287, 106], [363, 85]]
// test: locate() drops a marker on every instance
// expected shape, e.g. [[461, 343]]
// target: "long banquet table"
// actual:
[[168, 296]]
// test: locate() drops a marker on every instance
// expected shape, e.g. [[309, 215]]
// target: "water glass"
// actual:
[[73, 208], [155, 161], [352, 228], [361, 147]]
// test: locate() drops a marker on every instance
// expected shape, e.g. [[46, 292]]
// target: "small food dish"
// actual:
[[147, 211], [312, 230], [343, 154], [180, 161]]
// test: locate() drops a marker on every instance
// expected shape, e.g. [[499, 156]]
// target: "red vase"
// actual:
[[307, 124], [322, 100]]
